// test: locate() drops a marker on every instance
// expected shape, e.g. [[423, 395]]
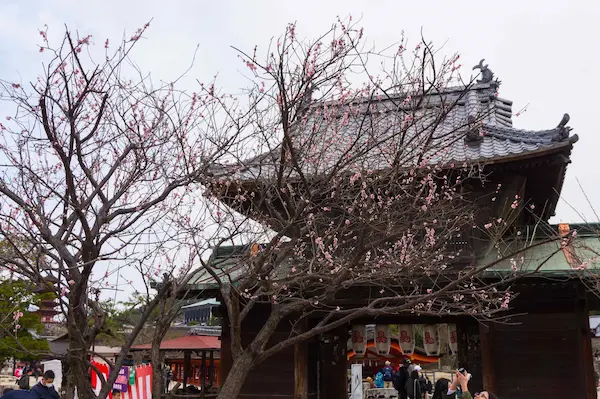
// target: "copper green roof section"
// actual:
[[547, 258], [544, 254]]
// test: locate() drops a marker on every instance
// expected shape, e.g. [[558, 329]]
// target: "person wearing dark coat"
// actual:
[[401, 378], [10, 393], [441, 388], [45, 388], [413, 386], [23, 382]]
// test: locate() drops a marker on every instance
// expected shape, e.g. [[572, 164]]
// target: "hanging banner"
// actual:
[[142, 389], [101, 368], [122, 382], [431, 340], [383, 341], [406, 338], [359, 339], [452, 339]]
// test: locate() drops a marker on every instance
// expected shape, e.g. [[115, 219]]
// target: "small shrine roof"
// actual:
[[188, 342]]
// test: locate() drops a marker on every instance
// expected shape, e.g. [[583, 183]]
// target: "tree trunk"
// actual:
[[77, 358], [157, 370], [236, 377], [68, 383], [77, 365]]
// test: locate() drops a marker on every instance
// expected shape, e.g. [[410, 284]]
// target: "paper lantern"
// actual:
[[359, 339], [383, 340], [431, 340], [452, 338], [406, 338]]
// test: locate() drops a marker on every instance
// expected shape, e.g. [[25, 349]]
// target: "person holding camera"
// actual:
[[460, 388]]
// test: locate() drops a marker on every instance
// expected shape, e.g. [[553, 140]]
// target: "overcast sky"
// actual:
[[544, 52]]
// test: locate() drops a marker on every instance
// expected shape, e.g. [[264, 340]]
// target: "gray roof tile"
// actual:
[[380, 122]]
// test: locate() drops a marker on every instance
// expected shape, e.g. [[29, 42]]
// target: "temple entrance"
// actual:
[[382, 349], [352, 359]]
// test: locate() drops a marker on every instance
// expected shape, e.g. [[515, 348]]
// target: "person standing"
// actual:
[[19, 371], [24, 381], [426, 385], [388, 375], [401, 378], [37, 370], [379, 380], [413, 387], [45, 388]]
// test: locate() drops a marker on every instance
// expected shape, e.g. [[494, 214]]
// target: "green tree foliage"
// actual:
[[17, 334]]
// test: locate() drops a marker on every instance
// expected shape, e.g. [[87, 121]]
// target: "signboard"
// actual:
[[359, 339], [383, 339], [406, 338], [431, 340], [122, 382], [452, 338], [356, 385]]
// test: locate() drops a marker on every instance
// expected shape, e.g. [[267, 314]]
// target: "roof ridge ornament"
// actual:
[[486, 73], [562, 130]]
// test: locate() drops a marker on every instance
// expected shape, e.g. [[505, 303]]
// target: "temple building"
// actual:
[[545, 349]]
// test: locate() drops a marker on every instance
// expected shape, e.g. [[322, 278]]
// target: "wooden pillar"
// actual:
[[211, 370], [225, 354], [333, 378], [187, 367], [469, 351], [203, 374], [300, 371], [487, 358], [461, 330], [301, 366]]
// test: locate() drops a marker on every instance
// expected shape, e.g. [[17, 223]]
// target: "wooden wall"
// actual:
[[543, 353], [273, 378], [538, 358]]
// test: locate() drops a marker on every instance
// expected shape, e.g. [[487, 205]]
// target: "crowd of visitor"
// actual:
[[411, 382]]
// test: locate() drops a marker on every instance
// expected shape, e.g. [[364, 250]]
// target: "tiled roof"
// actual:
[[478, 128], [206, 302], [185, 343], [228, 263], [225, 264]]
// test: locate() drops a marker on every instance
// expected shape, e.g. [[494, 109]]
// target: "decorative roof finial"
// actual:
[[562, 130], [486, 73]]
